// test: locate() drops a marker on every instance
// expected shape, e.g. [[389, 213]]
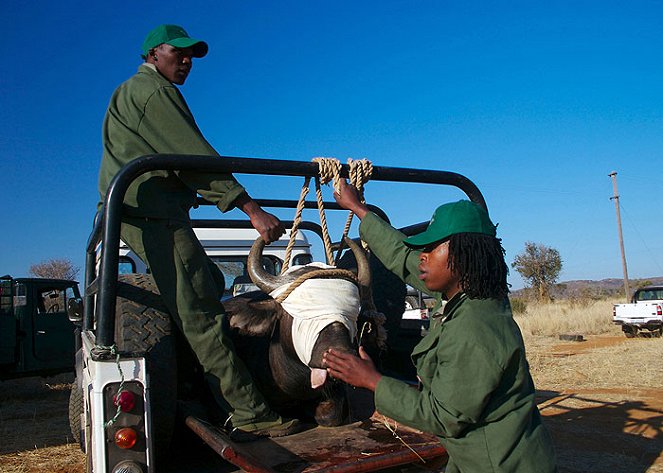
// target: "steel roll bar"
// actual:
[[107, 227]]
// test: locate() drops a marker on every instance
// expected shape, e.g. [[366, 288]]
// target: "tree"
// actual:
[[55, 268], [539, 266]]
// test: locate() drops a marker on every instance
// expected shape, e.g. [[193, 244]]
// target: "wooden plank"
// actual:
[[367, 445]]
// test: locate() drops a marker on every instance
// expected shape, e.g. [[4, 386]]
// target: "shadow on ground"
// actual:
[[594, 432]]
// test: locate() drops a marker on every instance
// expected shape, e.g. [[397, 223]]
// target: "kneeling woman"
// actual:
[[476, 393]]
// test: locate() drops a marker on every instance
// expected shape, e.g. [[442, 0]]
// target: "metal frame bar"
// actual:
[[107, 228]]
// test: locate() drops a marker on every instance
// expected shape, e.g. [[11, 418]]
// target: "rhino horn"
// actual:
[[363, 267], [261, 278]]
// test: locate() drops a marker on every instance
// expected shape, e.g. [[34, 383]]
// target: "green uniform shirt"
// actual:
[[476, 393], [148, 115]]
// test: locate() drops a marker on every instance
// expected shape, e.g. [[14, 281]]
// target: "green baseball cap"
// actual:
[[449, 219], [175, 36]]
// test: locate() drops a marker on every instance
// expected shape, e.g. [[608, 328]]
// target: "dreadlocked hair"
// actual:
[[479, 262]]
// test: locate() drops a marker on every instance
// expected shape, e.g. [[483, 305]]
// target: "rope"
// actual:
[[323, 223], [295, 224], [329, 169], [385, 422], [360, 173], [104, 351], [319, 274]]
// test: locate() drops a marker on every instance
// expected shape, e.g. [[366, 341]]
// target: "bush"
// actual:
[[518, 305]]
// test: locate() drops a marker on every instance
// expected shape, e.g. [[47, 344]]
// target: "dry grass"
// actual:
[[586, 317], [630, 363], [34, 426], [60, 459], [609, 371]]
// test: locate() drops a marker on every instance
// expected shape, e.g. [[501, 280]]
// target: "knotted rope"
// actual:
[[360, 173], [319, 274], [329, 169]]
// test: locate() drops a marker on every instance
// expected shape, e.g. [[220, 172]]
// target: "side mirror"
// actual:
[[75, 310]]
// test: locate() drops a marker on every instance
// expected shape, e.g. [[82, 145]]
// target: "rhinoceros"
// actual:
[[284, 352]]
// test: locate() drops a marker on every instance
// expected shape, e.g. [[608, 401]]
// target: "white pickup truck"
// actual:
[[645, 312]]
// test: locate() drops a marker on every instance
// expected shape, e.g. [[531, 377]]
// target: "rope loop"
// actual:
[[108, 352], [318, 274], [329, 169]]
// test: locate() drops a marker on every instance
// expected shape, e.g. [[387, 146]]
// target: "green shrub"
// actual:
[[518, 305]]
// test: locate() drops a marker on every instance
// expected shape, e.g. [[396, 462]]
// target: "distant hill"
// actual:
[[590, 288]]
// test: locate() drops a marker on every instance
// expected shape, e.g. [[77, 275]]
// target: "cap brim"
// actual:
[[200, 48], [421, 240]]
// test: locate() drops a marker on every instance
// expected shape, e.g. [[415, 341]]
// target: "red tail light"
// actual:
[[126, 437], [658, 310], [126, 400]]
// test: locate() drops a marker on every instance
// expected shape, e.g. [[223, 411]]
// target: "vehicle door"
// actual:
[[7, 323], [53, 333]]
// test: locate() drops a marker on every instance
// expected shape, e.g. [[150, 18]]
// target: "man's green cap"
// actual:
[[176, 37], [449, 219]]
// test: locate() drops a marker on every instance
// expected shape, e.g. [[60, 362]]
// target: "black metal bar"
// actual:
[[226, 164], [212, 223], [292, 204], [90, 288]]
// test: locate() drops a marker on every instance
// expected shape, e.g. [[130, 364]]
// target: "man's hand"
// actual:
[[358, 371], [349, 199], [268, 225]]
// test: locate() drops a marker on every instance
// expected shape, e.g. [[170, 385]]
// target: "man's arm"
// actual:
[[173, 130]]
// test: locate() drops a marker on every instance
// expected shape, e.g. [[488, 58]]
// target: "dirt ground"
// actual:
[[616, 429]]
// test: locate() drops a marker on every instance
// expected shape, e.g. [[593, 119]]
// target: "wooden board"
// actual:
[[367, 445]]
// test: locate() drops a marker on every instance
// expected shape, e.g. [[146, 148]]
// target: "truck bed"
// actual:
[[367, 445]]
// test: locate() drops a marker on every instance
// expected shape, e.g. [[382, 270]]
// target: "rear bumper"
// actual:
[[650, 324]]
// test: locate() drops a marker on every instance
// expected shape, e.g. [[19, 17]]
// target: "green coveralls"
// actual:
[[476, 393], [148, 115]]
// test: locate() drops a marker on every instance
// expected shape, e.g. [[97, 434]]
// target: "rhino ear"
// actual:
[[252, 314]]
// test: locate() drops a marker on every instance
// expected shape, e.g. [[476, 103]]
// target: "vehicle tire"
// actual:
[[144, 327], [75, 413], [630, 332], [571, 337], [411, 302]]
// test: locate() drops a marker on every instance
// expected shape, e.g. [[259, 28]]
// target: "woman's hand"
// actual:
[[358, 371], [349, 199]]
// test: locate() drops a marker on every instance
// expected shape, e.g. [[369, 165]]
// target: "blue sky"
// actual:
[[536, 102]]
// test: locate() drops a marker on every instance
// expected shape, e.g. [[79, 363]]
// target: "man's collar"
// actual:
[[150, 65]]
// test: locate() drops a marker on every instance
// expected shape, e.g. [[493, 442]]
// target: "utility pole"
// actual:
[[615, 197]]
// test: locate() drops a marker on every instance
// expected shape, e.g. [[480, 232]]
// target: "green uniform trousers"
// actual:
[[191, 287]]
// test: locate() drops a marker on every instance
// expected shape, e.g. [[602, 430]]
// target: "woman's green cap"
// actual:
[[449, 219], [176, 37]]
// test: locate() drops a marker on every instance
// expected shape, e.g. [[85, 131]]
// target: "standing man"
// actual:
[[147, 115]]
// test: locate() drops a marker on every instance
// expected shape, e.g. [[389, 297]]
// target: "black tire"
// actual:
[[571, 337], [75, 413], [630, 332], [144, 327], [411, 302]]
